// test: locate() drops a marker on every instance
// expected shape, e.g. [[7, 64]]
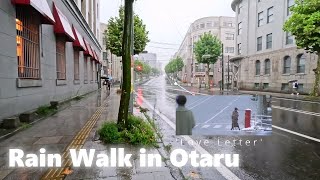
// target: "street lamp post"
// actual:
[[228, 74], [222, 72]]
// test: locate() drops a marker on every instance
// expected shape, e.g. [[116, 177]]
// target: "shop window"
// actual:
[[28, 50], [61, 57], [76, 65]]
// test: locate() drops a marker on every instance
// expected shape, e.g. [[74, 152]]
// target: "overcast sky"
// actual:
[[168, 20]]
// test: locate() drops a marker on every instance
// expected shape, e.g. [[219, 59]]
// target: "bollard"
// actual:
[[247, 118]]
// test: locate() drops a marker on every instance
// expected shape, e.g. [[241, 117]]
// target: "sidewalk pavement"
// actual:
[[74, 128]]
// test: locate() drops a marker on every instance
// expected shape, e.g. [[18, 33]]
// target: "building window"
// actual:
[[28, 51], [284, 86], [201, 26], [216, 24], [76, 65], [269, 41], [267, 66], [286, 65], [85, 67], [300, 88], [258, 65], [289, 38], [301, 63], [239, 28], [270, 15], [256, 85], [229, 50], [91, 70], [239, 7], [229, 36], [265, 85], [105, 55], [259, 43], [290, 3], [61, 57], [260, 18], [227, 24], [83, 7], [209, 24], [104, 40], [239, 49]]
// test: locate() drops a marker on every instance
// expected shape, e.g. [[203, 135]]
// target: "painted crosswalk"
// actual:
[[215, 126]]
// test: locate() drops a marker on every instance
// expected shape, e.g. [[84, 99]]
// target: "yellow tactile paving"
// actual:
[[77, 143]]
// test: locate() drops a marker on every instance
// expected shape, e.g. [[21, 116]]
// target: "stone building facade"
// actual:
[[266, 57], [112, 65], [49, 51], [221, 27]]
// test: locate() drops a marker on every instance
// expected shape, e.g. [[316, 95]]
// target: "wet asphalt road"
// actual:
[[282, 155]]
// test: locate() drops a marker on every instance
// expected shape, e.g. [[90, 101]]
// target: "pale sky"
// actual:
[[168, 20]]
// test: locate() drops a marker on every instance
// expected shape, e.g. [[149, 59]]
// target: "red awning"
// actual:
[[94, 57], [88, 51], [39, 5], [62, 25], [78, 43], [98, 58]]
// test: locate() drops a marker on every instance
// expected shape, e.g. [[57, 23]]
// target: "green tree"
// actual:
[[304, 24], [207, 51], [114, 34]]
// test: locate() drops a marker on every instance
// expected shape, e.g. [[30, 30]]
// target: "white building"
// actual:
[[267, 57], [221, 27], [112, 65]]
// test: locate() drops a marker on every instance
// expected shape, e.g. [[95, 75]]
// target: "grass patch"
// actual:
[[25, 125], [45, 110], [78, 98], [138, 132]]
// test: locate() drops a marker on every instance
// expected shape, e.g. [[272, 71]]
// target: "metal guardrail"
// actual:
[[262, 122]]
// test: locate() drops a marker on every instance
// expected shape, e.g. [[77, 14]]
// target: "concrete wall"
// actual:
[[14, 100]]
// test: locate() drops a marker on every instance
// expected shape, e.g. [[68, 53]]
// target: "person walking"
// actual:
[[235, 116], [184, 117], [295, 86]]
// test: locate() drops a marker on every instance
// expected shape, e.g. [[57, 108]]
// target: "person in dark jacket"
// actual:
[[184, 117], [235, 117]]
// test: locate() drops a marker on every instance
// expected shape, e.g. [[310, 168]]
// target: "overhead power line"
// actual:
[[154, 42]]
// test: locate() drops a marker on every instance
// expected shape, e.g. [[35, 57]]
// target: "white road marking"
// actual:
[[221, 110], [217, 126], [228, 127], [205, 126], [296, 133], [188, 91], [201, 102], [223, 170], [196, 101], [298, 111]]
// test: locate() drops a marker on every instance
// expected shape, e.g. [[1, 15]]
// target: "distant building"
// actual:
[[221, 27], [112, 65], [266, 56], [149, 58], [49, 51]]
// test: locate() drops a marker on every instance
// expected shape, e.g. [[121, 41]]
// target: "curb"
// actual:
[[64, 104]]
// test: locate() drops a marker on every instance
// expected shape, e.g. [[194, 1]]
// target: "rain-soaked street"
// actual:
[[291, 151]]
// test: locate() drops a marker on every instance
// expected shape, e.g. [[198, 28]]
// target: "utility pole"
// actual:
[[222, 71], [228, 74]]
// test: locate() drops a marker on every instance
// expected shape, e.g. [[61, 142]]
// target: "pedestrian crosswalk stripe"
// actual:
[[217, 126], [205, 126], [228, 127]]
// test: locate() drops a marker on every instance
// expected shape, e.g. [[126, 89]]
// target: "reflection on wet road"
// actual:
[[282, 155]]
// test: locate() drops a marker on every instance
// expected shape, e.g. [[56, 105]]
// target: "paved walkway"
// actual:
[[73, 128]]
